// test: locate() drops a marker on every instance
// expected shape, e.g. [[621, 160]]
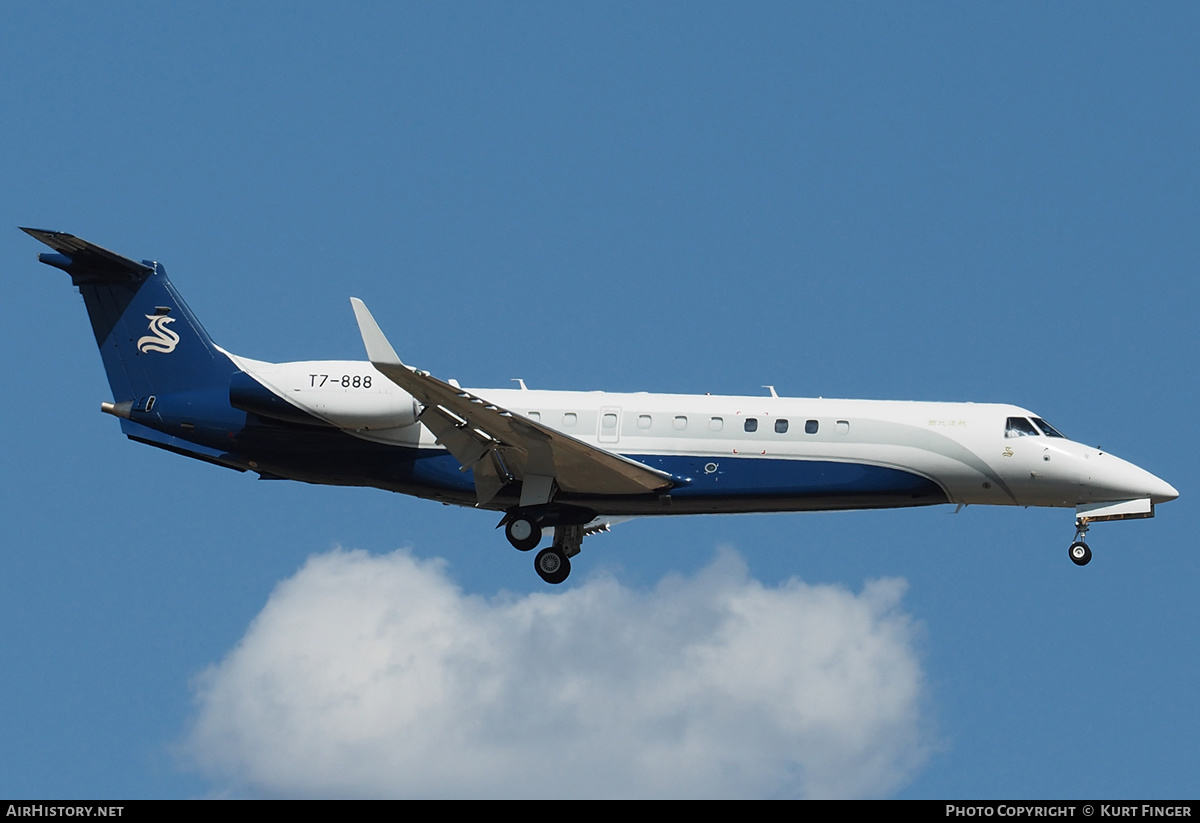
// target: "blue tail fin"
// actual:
[[150, 341]]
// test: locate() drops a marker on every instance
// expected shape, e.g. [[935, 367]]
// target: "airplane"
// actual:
[[566, 462]]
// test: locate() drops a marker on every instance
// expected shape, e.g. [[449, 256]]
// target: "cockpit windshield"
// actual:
[[1047, 429], [1022, 427], [1019, 427]]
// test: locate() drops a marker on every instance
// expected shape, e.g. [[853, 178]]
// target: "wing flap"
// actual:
[[476, 430]]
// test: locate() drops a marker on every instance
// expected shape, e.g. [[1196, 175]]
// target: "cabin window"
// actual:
[[535, 416], [569, 419], [811, 426], [715, 424], [843, 427], [781, 426], [680, 423], [751, 424], [644, 421], [1019, 427], [1046, 428], [609, 421]]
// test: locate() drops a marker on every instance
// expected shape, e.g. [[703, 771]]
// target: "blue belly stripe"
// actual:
[[758, 476], [731, 477]]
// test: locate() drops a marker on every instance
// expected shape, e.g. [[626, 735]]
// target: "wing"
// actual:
[[499, 445]]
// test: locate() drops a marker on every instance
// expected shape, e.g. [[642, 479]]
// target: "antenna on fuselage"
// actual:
[[519, 382], [772, 390]]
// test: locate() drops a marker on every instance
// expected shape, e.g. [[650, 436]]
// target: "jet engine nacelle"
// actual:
[[347, 394]]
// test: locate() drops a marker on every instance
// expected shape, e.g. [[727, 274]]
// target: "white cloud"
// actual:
[[376, 676]]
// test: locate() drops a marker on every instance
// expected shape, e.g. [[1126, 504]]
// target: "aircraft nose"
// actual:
[[1133, 482], [1161, 491]]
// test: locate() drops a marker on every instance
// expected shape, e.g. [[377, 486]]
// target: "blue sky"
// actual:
[[989, 202]]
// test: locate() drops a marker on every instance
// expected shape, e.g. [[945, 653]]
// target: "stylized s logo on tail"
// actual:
[[162, 339]]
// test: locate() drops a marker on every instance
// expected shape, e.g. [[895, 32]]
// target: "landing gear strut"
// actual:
[[1079, 552]]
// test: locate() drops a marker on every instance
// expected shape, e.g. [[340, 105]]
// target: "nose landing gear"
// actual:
[[1079, 552]]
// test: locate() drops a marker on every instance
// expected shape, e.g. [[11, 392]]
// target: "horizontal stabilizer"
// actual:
[[77, 256]]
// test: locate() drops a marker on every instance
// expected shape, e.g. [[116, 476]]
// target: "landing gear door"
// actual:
[[1124, 510]]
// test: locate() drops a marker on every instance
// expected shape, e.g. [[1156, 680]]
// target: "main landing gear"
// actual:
[[523, 528], [523, 533], [552, 565], [1079, 552]]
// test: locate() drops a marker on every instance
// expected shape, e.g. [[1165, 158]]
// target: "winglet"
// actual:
[[379, 350]]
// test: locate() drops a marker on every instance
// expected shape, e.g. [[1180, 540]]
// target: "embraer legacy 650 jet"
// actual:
[[565, 461]]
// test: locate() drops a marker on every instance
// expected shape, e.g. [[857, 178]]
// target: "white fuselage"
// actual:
[[966, 449]]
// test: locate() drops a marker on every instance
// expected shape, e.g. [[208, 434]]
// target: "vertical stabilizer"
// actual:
[[150, 341]]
